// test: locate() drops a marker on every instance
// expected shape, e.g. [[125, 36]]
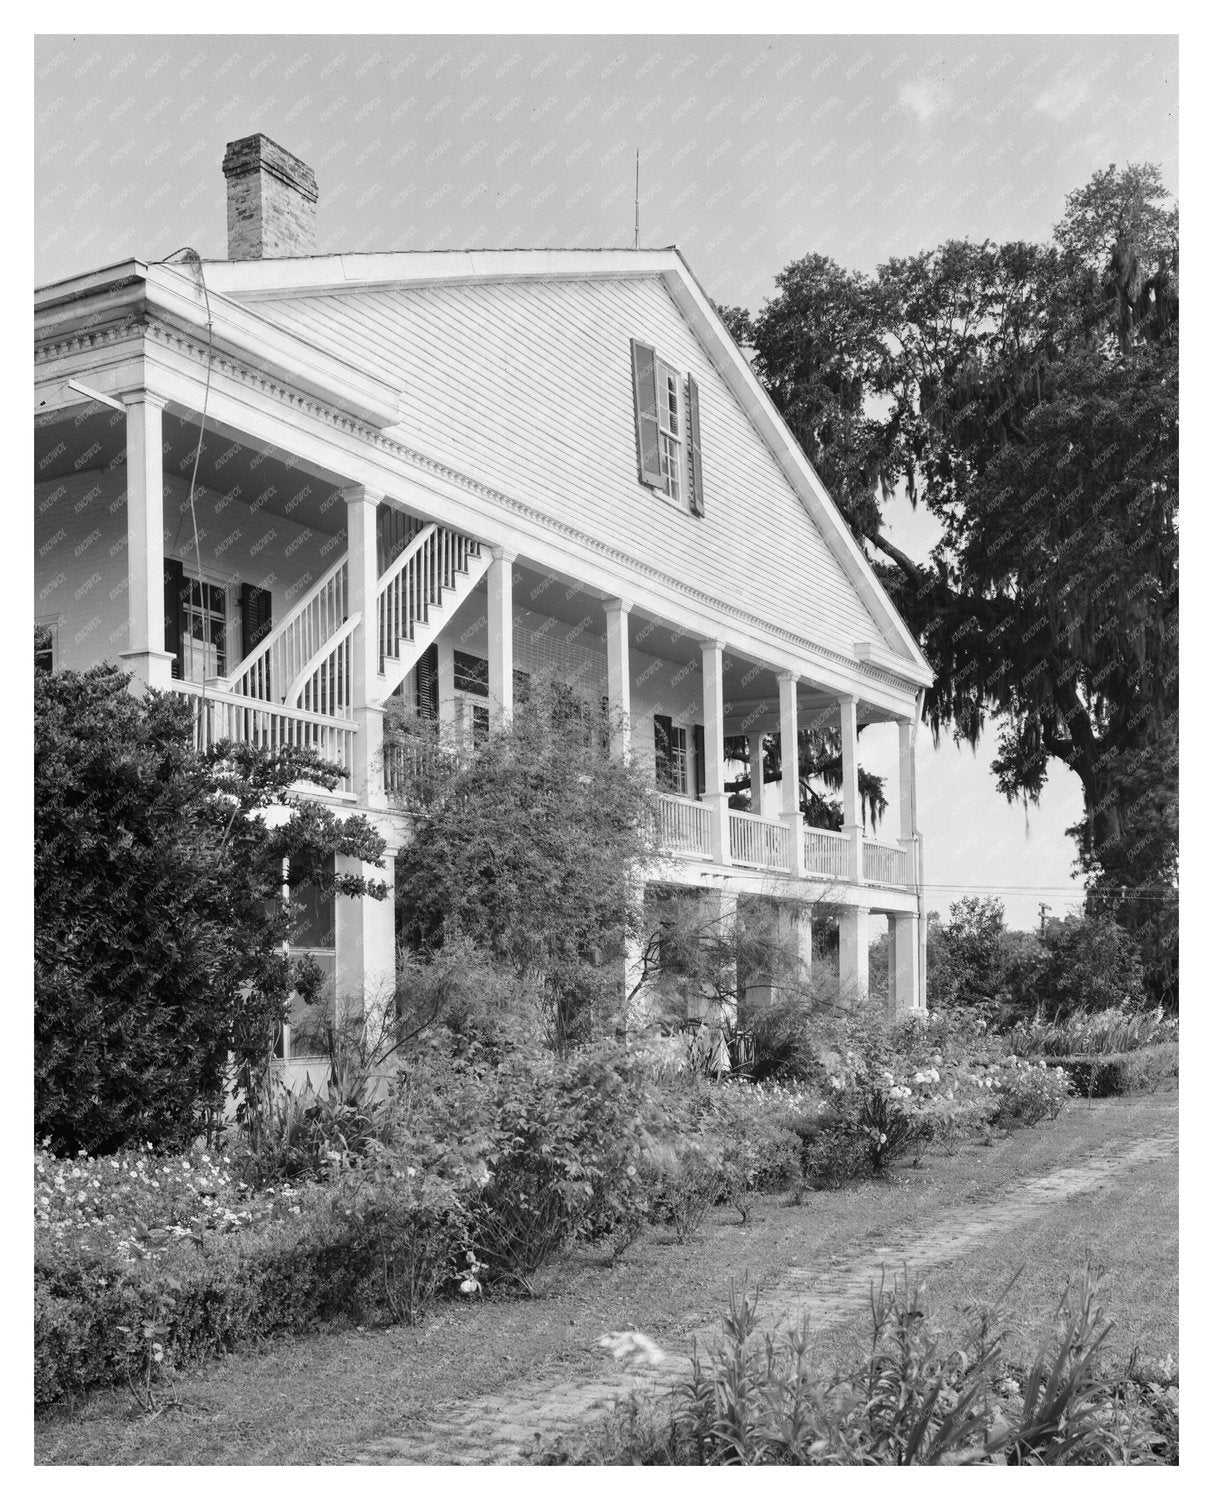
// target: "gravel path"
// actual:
[[495, 1428]]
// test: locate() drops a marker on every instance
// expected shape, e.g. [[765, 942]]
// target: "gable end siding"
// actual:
[[529, 387]]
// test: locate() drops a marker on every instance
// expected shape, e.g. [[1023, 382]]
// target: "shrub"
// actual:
[[1030, 1092], [1102, 1075], [159, 920], [1084, 1032]]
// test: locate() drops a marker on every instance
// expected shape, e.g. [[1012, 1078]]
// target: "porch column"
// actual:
[[852, 819], [501, 637], [903, 962], [145, 657], [795, 929], [853, 955], [366, 683], [905, 767], [757, 789], [444, 653], [619, 678], [789, 762], [366, 947], [719, 1003], [714, 794]]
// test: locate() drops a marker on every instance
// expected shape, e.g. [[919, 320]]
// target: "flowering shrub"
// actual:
[[1029, 1091]]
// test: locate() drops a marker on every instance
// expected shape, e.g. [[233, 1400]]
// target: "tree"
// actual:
[[967, 956], [159, 924], [1089, 963], [528, 845], [819, 772], [1028, 396]]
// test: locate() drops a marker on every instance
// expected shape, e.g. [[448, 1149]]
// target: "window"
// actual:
[[471, 674], [670, 744], [204, 633], [45, 634], [196, 623], [668, 447]]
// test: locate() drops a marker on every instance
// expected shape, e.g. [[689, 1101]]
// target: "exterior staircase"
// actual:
[[426, 571]]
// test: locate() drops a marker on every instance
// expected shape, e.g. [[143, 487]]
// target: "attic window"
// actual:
[[667, 428]]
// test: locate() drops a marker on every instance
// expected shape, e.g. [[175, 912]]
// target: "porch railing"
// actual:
[[230, 716], [269, 670], [764, 843], [683, 826], [827, 853], [885, 864]]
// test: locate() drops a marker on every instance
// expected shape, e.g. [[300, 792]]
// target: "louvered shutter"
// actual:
[[427, 683], [694, 453], [174, 610], [663, 737], [701, 765], [256, 617], [644, 391]]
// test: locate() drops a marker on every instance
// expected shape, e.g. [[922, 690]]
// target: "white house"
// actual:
[[423, 472]]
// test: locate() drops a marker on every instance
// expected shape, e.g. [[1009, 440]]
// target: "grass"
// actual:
[[319, 1400]]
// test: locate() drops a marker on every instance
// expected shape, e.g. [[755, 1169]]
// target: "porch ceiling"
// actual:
[[77, 438]]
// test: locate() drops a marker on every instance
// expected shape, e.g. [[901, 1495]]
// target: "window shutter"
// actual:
[[427, 683], [644, 390], [663, 737], [174, 610], [256, 617], [701, 765], [694, 453]]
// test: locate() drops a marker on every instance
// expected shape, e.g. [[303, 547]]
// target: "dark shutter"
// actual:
[[427, 683], [694, 453], [644, 390], [256, 617], [522, 686], [174, 610], [701, 764], [663, 736]]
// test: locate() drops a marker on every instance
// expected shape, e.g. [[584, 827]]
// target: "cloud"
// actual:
[[924, 98], [1062, 98]]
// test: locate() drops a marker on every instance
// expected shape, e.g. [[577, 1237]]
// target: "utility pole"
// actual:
[[1043, 909]]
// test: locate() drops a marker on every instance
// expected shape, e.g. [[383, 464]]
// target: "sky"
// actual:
[[754, 151]]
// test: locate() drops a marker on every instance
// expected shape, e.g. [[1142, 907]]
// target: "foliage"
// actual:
[[1104, 1074], [1090, 964], [569, 1139], [753, 1399], [1028, 396], [1082, 1031], [529, 847], [966, 957], [158, 945]]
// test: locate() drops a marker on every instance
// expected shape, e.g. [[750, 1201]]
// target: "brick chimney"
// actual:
[[271, 201]]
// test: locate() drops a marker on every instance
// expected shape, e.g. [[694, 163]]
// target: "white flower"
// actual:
[[469, 1286]]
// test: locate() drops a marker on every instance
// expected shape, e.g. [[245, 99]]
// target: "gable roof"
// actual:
[[254, 281]]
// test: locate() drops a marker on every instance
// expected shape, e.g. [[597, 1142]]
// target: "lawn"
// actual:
[[325, 1399]]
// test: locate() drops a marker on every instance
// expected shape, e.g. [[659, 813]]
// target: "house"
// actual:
[[424, 473]]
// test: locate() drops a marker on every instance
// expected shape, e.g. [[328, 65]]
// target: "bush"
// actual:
[[1103, 1075], [1084, 1032]]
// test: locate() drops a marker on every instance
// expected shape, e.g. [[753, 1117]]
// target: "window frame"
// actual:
[[227, 584], [50, 623]]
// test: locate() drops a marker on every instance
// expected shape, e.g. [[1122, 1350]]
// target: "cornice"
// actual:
[[247, 375]]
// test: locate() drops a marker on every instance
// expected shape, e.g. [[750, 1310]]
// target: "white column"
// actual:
[[366, 682], [903, 965], [501, 637], [145, 657], [366, 945], [852, 819], [444, 653], [795, 928], [852, 955], [789, 764], [715, 795], [720, 1006], [757, 789], [619, 678]]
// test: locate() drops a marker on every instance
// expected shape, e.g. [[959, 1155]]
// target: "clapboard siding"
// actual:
[[527, 386]]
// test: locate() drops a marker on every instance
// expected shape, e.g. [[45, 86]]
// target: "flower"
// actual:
[[632, 1349]]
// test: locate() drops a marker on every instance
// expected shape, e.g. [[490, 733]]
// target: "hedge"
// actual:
[[1103, 1075]]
